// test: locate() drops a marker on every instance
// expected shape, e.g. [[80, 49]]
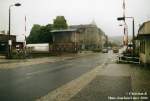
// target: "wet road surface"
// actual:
[[102, 87], [31, 82]]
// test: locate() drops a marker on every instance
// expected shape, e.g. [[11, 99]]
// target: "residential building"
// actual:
[[144, 42], [78, 37], [66, 40], [92, 37], [4, 44]]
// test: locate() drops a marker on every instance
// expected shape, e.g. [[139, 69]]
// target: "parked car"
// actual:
[[105, 50], [129, 50], [115, 50]]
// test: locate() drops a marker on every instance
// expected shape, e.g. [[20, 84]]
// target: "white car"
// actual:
[[105, 50]]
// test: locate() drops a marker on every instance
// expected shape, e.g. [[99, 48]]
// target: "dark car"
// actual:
[[115, 50]]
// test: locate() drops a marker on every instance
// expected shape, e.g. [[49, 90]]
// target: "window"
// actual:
[[142, 46]]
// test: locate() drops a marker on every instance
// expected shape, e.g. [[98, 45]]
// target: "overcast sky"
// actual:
[[103, 12]]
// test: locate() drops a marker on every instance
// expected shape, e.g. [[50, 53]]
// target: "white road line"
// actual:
[[65, 92]]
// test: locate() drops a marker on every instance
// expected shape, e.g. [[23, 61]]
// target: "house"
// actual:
[[78, 38], [4, 44], [92, 37], [144, 42], [66, 40]]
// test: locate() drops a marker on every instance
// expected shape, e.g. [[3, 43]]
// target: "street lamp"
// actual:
[[9, 39]]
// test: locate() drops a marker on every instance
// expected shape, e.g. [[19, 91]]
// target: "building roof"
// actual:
[[142, 26], [4, 38], [64, 30], [82, 26], [144, 31]]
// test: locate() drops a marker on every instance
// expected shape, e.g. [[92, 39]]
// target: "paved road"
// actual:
[[32, 82]]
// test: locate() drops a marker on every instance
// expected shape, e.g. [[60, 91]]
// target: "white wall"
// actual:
[[44, 47]]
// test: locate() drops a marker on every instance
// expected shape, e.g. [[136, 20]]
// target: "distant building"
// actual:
[[66, 40], [4, 44], [92, 37], [144, 42], [78, 37]]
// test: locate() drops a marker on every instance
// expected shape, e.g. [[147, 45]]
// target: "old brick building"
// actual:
[[144, 40], [78, 37], [66, 40], [4, 44], [92, 37]]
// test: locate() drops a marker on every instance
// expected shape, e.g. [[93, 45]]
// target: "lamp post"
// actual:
[[133, 34], [133, 31], [9, 39]]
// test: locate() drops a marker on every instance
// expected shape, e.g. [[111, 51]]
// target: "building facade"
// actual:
[[66, 40], [91, 37], [78, 38], [144, 42], [4, 44]]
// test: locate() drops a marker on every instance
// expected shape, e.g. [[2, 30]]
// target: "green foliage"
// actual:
[[20, 55], [45, 35], [60, 23], [33, 37], [40, 34]]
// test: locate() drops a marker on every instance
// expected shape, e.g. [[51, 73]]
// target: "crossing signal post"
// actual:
[[133, 30]]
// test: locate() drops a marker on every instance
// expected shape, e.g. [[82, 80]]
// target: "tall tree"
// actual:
[[60, 23], [45, 35], [34, 34], [40, 34]]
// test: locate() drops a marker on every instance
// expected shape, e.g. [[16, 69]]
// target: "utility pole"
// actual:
[[25, 40], [9, 37], [125, 25], [125, 29]]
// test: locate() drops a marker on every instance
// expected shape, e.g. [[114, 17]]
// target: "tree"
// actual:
[[40, 34], [45, 34], [34, 34], [60, 23]]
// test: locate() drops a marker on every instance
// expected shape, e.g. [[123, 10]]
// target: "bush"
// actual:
[[19, 55]]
